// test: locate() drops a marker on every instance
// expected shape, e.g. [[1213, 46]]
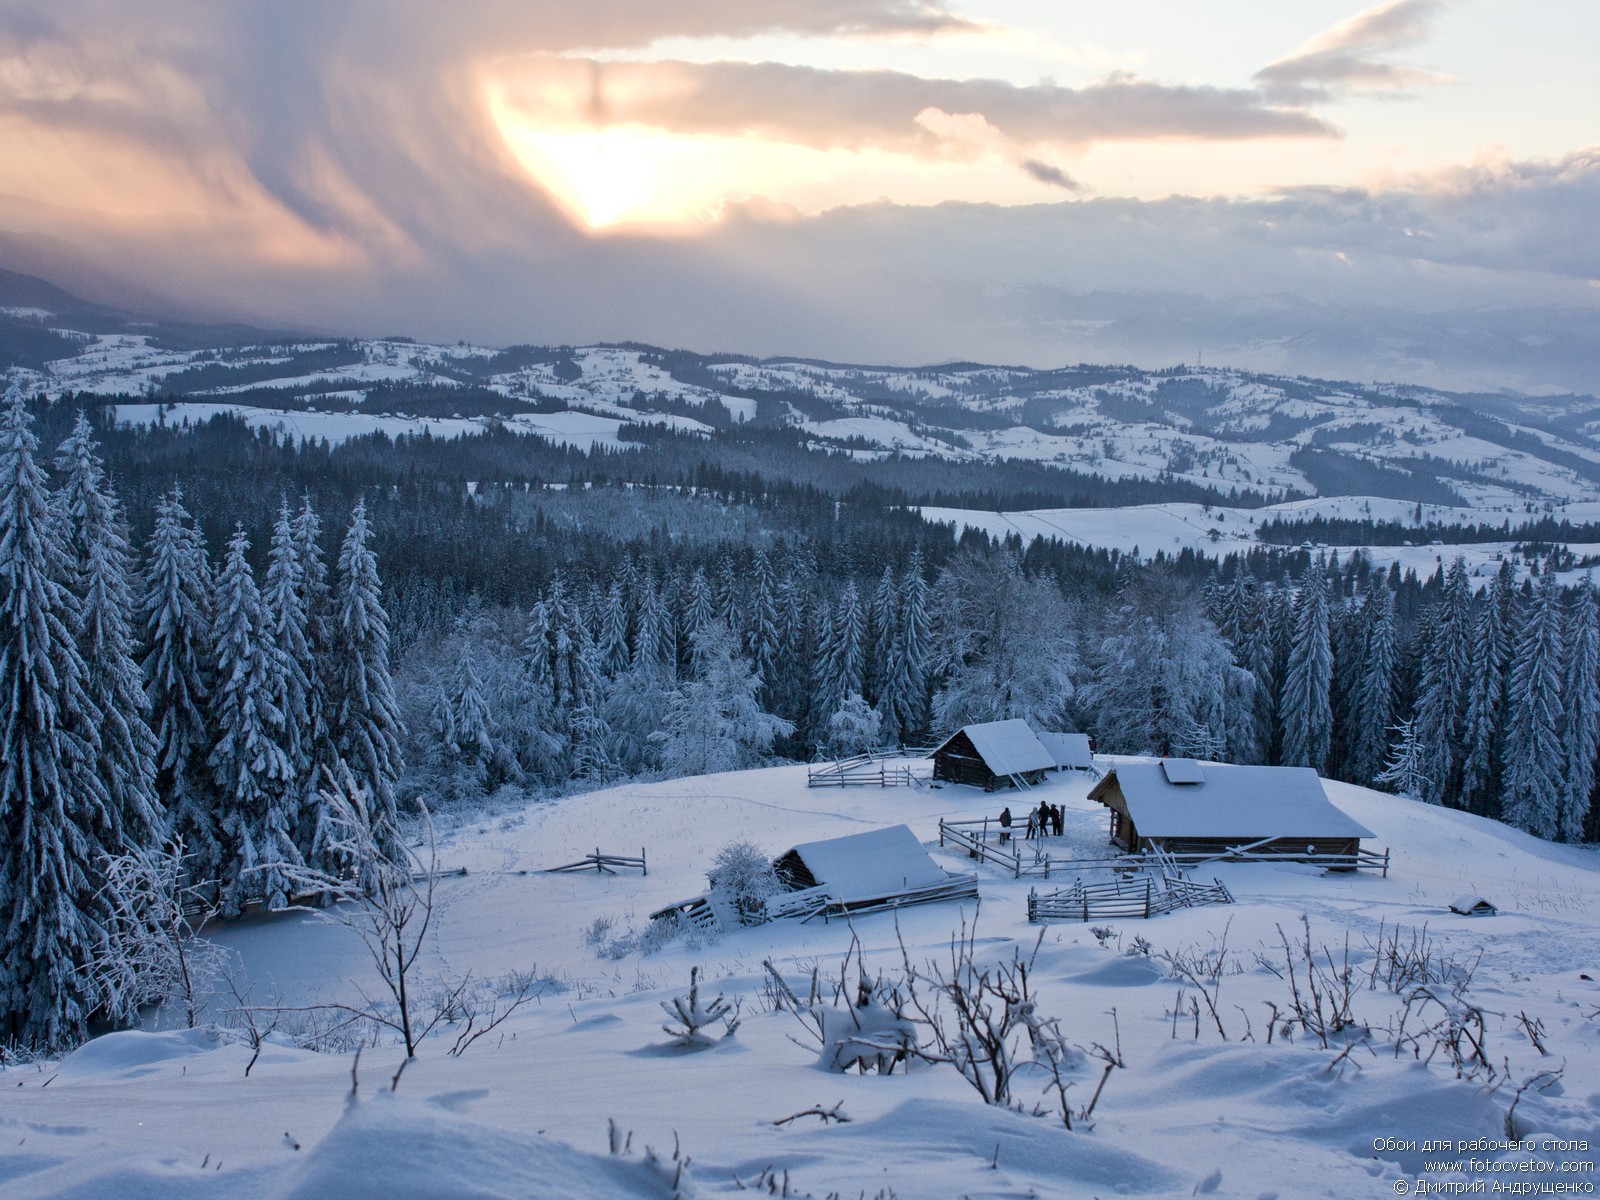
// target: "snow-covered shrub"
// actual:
[[742, 877], [693, 1017], [656, 935], [869, 1033]]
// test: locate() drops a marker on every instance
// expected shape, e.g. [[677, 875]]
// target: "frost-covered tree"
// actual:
[[1534, 759], [178, 670], [99, 561], [315, 599], [842, 654], [1484, 721], [255, 778], [1442, 688], [1305, 707], [1405, 770], [1164, 680], [903, 697], [287, 630], [762, 641], [614, 653], [1004, 644], [52, 801], [715, 723], [1372, 705], [363, 719], [1581, 728], [853, 729]]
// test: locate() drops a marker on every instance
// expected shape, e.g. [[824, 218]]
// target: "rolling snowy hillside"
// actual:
[[1225, 431], [1231, 1105]]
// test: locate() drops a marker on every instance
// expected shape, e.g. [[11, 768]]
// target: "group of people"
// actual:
[[1044, 821]]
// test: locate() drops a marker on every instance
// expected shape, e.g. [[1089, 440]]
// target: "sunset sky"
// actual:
[[1319, 187]]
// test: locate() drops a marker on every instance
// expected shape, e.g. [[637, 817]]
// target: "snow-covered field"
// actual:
[[1217, 531], [172, 1114]]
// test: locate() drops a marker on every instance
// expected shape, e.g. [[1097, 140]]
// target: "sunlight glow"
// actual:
[[625, 175]]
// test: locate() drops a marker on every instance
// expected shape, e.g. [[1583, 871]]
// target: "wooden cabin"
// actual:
[[993, 754], [1187, 807]]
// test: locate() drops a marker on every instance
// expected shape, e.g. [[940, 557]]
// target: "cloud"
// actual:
[[879, 109], [336, 167], [1046, 173], [1349, 57]]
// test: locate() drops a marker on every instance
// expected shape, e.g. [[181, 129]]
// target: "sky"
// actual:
[[1402, 191]]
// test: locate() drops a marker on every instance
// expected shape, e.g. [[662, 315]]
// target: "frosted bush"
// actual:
[[742, 877]]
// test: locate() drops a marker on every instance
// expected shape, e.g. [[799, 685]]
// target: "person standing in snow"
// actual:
[[1044, 819], [1005, 825]]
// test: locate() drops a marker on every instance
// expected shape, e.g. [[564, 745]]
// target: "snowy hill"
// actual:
[[1222, 430], [1231, 1105]]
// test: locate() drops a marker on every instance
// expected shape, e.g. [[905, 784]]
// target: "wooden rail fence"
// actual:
[[604, 864]]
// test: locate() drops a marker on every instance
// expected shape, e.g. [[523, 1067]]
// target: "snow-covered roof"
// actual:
[[862, 866], [1008, 747], [1068, 749], [1230, 802]]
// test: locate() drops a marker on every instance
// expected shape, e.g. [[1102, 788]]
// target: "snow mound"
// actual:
[[388, 1148], [132, 1053], [1025, 1147]]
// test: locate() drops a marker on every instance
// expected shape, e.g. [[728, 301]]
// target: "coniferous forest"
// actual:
[[203, 628]]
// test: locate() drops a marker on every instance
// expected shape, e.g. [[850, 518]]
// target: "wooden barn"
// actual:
[[1186, 807], [1070, 750], [993, 754]]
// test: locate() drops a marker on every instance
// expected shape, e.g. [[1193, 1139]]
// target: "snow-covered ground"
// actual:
[[173, 1114], [1218, 531]]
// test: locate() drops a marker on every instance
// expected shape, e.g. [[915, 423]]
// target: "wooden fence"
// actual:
[[1124, 898], [604, 864], [975, 838], [871, 769]]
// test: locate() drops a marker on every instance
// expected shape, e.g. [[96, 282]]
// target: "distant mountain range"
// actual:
[[1227, 431]]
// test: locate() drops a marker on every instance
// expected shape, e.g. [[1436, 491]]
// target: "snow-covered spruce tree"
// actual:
[[714, 723], [903, 698], [363, 719], [1247, 624], [591, 734], [883, 619], [613, 649], [255, 779], [1484, 728], [287, 629], [1581, 729], [699, 612], [1442, 688], [315, 603], [761, 639], [1531, 790], [52, 801], [99, 562], [1305, 707], [1372, 706], [842, 656], [178, 671]]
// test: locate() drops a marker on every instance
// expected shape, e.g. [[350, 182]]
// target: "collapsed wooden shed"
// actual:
[[1183, 807], [992, 754], [1070, 750], [864, 872]]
